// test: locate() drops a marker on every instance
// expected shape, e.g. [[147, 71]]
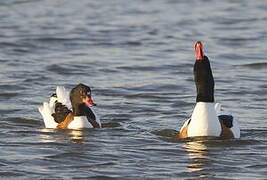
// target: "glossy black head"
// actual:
[[203, 76], [81, 94]]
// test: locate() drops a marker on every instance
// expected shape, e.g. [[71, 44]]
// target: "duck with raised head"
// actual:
[[70, 110], [207, 118]]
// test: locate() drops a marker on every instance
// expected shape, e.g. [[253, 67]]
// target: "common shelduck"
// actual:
[[207, 118], [70, 110]]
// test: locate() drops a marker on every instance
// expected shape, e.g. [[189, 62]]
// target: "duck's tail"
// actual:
[[228, 120], [46, 112]]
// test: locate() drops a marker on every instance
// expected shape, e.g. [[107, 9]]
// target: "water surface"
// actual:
[[137, 56]]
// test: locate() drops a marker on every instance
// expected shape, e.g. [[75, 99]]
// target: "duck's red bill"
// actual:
[[90, 102], [199, 51]]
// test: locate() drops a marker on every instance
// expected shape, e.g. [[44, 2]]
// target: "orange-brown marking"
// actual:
[[66, 122], [183, 132], [226, 132]]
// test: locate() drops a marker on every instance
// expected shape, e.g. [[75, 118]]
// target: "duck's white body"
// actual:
[[49, 108], [205, 122], [80, 122]]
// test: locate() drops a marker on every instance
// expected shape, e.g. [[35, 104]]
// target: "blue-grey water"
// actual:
[[137, 56]]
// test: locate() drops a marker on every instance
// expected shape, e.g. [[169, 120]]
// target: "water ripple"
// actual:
[[138, 58]]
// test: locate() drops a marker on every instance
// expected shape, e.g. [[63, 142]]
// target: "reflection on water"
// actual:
[[197, 152], [62, 135], [75, 134]]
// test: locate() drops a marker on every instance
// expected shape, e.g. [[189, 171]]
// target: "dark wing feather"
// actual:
[[61, 112]]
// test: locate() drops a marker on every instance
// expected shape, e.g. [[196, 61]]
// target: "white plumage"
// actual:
[[205, 122]]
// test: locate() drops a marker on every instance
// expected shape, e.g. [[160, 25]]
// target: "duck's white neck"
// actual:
[[204, 121]]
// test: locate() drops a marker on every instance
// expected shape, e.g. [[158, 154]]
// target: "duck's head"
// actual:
[[81, 94], [199, 51]]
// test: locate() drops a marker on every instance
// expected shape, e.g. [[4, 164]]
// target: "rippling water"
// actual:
[[137, 56]]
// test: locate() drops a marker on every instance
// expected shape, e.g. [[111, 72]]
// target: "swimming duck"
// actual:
[[70, 110], [207, 118]]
